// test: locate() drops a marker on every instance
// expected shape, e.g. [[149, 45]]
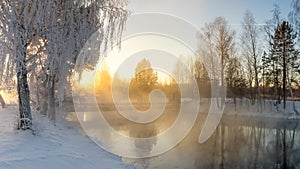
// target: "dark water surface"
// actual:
[[238, 142]]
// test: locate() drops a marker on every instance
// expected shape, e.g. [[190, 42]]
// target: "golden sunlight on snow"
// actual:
[[10, 97]]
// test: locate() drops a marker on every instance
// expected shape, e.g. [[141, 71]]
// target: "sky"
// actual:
[[200, 12], [195, 12]]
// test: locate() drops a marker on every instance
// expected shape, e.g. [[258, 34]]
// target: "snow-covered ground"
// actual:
[[265, 108], [53, 147]]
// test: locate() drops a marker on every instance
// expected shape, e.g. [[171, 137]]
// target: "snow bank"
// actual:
[[262, 108], [54, 147]]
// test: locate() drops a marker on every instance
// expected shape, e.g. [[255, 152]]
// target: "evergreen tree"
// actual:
[[235, 78], [283, 60], [145, 79]]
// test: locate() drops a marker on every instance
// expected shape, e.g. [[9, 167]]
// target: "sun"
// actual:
[[87, 79]]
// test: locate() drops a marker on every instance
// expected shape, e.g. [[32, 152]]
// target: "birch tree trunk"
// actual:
[[25, 119], [51, 100]]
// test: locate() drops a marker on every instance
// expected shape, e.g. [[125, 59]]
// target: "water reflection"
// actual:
[[238, 142], [147, 144], [139, 130]]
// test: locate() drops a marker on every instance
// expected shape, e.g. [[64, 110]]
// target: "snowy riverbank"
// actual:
[[265, 108], [54, 147]]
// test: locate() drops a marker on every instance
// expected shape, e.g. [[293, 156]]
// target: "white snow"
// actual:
[[53, 147], [266, 108], [182, 100]]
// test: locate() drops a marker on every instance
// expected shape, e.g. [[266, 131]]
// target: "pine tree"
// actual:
[[145, 79], [235, 78], [282, 62]]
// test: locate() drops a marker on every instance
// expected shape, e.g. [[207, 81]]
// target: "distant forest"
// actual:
[[259, 62]]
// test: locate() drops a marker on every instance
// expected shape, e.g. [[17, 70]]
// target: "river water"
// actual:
[[238, 142]]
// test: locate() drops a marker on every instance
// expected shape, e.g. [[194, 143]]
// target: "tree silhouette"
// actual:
[[282, 63], [144, 80]]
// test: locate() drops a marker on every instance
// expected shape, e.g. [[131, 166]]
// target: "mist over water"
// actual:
[[238, 142]]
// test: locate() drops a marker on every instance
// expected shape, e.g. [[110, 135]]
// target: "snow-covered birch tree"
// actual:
[[68, 31], [43, 38], [18, 29]]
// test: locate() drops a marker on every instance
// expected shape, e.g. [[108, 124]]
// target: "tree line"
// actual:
[[143, 82], [260, 62]]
